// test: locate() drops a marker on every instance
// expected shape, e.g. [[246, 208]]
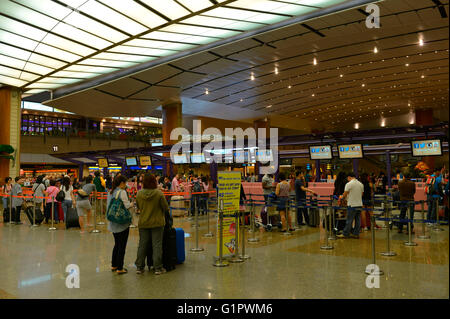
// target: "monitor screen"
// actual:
[[102, 162], [350, 151], [145, 161], [131, 161], [264, 156], [179, 159], [285, 161], [241, 156], [426, 148], [197, 158], [319, 152]]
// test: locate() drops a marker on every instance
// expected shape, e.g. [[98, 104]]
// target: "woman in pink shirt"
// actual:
[[51, 193]]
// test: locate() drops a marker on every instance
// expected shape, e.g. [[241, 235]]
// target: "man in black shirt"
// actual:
[[300, 196]]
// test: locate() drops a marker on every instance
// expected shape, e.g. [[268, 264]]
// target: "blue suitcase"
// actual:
[[180, 245]]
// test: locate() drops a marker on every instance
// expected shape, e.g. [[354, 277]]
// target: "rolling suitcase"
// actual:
[[181, 256], [6, 215], [177, 206], [72, 218], [39, 215]]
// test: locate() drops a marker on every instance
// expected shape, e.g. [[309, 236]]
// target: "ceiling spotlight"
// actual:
[[341, 75], [269, 106], [252, 77], [276, 70], [407, 64], [356, 126], [290, 86], [313, 94], [241, 100], [206, 91], [375, 50], [421, 42], [363, 85], [422, 76], [315, 61]]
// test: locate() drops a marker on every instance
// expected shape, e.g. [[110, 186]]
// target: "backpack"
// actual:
[[197, 188], [429, 187], [61, 196], [116, 212]]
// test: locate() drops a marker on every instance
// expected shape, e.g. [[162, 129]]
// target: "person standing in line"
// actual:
[[82, 204], [39, 192], [253, 178], [282, 192], [407, 189], [433, 190], [175, 185], [152, 206], [267, 185], [51, 193], [6, 189], [353, 192], [367, 202], [300, 197], [100, 187], [67, 188], [120, 231], [16, 190]]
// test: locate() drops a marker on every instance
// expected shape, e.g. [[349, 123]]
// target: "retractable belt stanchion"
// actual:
[[409, 242], [208, 234], [384, 203], [287, 210], [132, 225], [220, 262], [53, 215], [331, 235], [437, 226], [34, 214], [243, 255], [388, 252], [424, 235], [10, 210], [236, 258], [378, 272], [189, 218], [327, 246], [101, 222], [196, 248], [95, 230], [253, 239]]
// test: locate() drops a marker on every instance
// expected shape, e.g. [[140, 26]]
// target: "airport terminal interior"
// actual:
[[301, 147]]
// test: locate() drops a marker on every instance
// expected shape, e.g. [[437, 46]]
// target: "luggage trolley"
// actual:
[[268, 215]]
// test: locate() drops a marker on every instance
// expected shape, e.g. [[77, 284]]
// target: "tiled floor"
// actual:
[[33, 263]]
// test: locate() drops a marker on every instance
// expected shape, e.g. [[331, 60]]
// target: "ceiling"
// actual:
[[273, 74]]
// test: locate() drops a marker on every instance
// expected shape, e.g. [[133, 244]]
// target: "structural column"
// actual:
[[356, 167], [171, 119], [388, 169], [425, 117], [317, 171], [261, 124], [10, 130]]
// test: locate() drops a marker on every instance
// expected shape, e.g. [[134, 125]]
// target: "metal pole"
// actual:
[[374, 262], [101, 211], [208, 234], [34, 213], [386, 223], [220, 262], [243, 255], [410, 242], [10, 210], [437, 225], [196, 249], [253, 239], [388, 251], [424, 235], [132, 225], [95, 230], [236, 258], [286, 211], [53, 214], [327, 245], [332, 235]]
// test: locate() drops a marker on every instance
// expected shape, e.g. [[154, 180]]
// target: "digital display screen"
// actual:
[[350, 151], [426, 148], [145, 160], [285, 161], [180, 159], [102, 162], [319, 152], [264, 156], [131, 161], [197, 158]]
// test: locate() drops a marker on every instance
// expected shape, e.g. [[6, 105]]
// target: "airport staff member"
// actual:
[[353, 192], [407, 189]]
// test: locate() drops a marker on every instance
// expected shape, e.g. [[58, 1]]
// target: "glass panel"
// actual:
[[14, 52], [178, 37], [34, 91], [46, 6], [136, 12], [39, 59], [57, 53], [127, 57], [196, 5], [67, 45], [17, 40], [245, 15], [14, 26], [159, 44], [35, 68], [117, 64], [74, 74], [104, 13], [318, 3], [60, 81], [140, 50], [17, 74], [11, 81], [169, 8], [89, 69], [43, 85], [271, 6], [81, 36], [200, 31], [21, 13], [220, 23], [36, 106]]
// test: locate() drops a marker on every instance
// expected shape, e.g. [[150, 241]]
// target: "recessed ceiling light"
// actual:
[[363, 85], [375, 50], [341, 75], [276, 70], [252, 76], [313, 94], [290, 86], [407, 64], [315, 61], [206, 91], [421, 42]]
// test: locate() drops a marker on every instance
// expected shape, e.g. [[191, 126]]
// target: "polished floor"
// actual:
[[33, 263]]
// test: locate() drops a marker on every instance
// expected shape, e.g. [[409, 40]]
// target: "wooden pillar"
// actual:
[[171, 119]]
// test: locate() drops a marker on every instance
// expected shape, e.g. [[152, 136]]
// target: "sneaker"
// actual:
[[160, 271], [122, 271], [139, 271], [342, 236]]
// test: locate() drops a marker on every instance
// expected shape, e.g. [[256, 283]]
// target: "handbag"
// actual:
[[61, 196], [117, 213]]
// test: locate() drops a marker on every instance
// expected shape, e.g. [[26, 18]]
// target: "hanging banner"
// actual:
[[229, 187]]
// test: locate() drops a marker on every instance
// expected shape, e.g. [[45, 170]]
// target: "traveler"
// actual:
[[300, 198], [367, 202], [380, 185], [39, 192], [6, 190], [76, 184], [100, 185], [252, 178], [267, 184], [282, 192], [353, 193], [195, 198], [51, 192], [175, 186], [82, 204], [16, 192], [339, 184], [407, 189], [433, 189], [108, 182], [68, 195], [120, 231], [152, 206]]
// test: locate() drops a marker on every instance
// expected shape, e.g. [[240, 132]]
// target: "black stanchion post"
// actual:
[[253, 239], [388, 252], [378, 272], [34, 214], [331, 235], [327, 246], [424, 235], [101, 222], [95, 230], [196, 248], [243, 255], [10, 210], [53, 215], [410, 242], [208, 234], [437, 226]]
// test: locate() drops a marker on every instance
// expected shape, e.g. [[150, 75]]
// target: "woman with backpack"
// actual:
[[120, 231]]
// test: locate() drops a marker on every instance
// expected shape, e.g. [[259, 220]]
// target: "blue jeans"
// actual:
[[404, 208], [66, 204], [5, 202], [302, 211], [353, 213], [431, 202]]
